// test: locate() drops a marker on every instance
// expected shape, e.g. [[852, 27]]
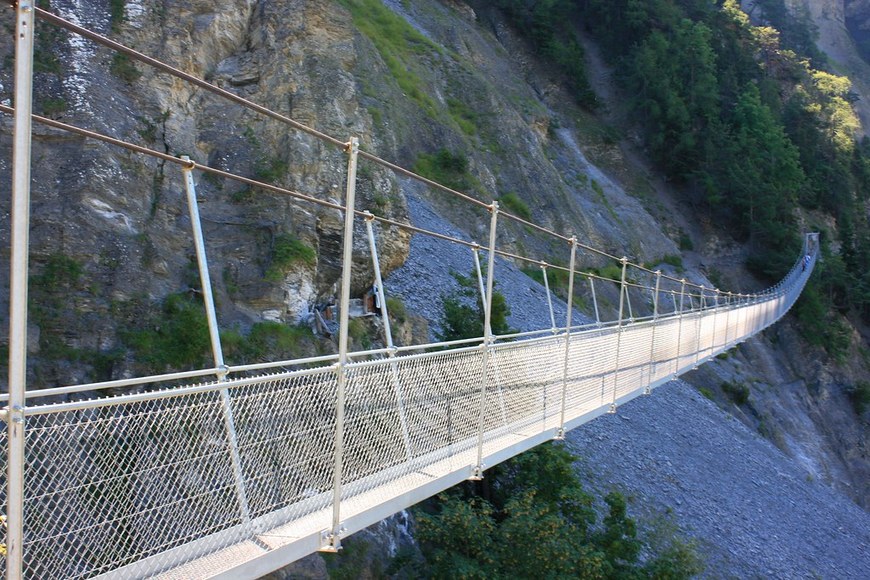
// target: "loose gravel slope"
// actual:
[[754, 511]]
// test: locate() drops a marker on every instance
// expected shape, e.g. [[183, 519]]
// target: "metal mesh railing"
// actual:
[[142, 483]]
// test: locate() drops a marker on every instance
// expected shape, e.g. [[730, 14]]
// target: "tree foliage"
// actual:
[[531, 518], [463, 314], [549, 24], [744, 118]]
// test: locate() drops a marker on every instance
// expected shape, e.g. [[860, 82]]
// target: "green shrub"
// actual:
[[462, 320], [515, 205], [269, 169], [399, 44], [531, 518], [267, 341], [124, 68], [359, 333], [706, 392], [859, 394], [116, 13], [287, 251], [686, 244], [53, 106], [557, 279], [448, 169], [673, 260], [244, 195], [396, 309], [737, 392], [463, 115], [610, 271], [175, 337]]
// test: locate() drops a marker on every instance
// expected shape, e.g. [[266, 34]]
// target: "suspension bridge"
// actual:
[[235, 471]]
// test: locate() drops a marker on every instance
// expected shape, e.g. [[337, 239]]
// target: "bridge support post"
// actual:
[[727, 320], [549, 297], [554, 331], [622, 294], [214, 335], [332, 537], [594, 302], [477, 472], [20, 234], [483, 293], [715, 315], [560, 434], [652, 342], [680, 327], [388, 334], [702, 305]]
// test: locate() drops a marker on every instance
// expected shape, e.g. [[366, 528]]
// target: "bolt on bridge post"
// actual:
[[332, 537], [214, 335], [477, 472]]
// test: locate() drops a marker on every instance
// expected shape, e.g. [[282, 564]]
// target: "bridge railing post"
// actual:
[[652, 341], [477, 471], [715, 315], [20, 238], [680, 326], [388, 334], [482, 287], [702, 306], [595, 302], [549, 297], [332, 538], [214, 335], [622, 294], [560, 434]]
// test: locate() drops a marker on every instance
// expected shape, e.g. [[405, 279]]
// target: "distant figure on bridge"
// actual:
[[806, 262]]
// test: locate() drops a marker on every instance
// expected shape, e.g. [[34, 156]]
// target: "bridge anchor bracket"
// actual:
[[476, 473], [560, 434], [330, 542], [613, 408]]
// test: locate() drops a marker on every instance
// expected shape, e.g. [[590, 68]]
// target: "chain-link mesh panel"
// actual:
[[663, 349], [111, 485], [443, 400], [528, 378], [376, 436], [591, 360], [406, 413], [286, 439], [633, 364], [707, 330]]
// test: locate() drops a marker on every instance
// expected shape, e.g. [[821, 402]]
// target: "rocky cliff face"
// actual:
[[857, 13], [841, 35], [120, 220], [462, 81]]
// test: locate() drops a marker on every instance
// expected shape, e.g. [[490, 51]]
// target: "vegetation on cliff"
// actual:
[[745, 120], [530, 518]]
